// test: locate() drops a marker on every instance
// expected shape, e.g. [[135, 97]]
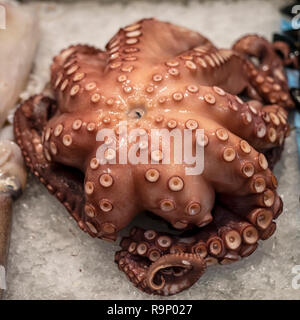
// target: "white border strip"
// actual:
[[2, 278], [2, 17]]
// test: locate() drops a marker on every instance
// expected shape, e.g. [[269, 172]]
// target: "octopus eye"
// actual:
[[136, 113]]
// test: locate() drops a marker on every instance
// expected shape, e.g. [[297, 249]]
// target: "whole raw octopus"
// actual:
[[156, 75]]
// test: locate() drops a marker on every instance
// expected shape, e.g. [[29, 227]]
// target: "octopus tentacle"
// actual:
[[189, 194], [259, 214], [223, 242], [263, 127], [248, 233], [193, 267], [29, 122], [284, 49], [62, 137], [180, 54], [165, 270], [240, 163], [215, 245], [75, 73], [167, 40], [231, 236], [268, 77], [104, 216], [266, 234]]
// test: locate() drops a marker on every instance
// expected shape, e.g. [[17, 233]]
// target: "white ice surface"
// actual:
[[51, 258]]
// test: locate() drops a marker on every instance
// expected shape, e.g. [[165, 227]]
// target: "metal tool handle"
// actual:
[[5, 226]]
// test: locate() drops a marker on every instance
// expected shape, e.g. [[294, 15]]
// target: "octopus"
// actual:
[[156, 75]]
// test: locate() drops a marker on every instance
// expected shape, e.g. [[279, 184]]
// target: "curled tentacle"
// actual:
[[266, 74], [153, 261], [191, 267], [161, 263]]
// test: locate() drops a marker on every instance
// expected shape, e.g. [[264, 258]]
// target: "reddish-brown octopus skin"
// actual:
[[155, 75]]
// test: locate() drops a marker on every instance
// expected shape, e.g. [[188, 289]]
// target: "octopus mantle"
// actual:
[[156, 75]]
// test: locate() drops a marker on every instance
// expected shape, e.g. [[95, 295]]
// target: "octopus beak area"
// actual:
[[168, 275]]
